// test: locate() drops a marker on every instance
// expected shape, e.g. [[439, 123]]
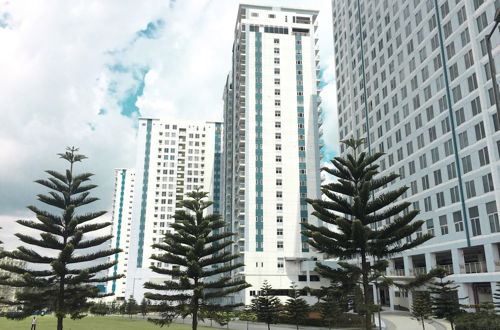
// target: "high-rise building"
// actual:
[[413, 79], [121, 218], [174, 157], [271, 149]]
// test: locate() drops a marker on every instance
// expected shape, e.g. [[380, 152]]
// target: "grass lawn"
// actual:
[[91, 323]]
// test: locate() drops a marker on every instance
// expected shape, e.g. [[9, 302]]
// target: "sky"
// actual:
[[80, 73]]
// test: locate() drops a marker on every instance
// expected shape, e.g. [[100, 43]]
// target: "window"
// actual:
[[279, 231], [427, 204], [462, 16], [440, 199], [484, 157], [277, 124], [281, 261], [430, 226], [438, 179], [453, 71], [469, 59], [470, 189], [279, 219], [463, 139], [425, 182], [474, 221], [480, 132], [414, 188], [475, 106], [454, 194], [491, 210], [445, 125], [432, 133], [465, 37], [435, 154], [411, 167], [423, 161], [279, 245], [482, 22], [460, 116], [459, 223], [488, 183], [443, 224], [466, 164]]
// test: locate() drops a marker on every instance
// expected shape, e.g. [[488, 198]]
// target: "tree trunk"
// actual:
[[269, 326], [366, 297], [59, 323], [423, 323]]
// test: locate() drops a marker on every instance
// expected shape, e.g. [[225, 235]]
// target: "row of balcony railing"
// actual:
[[466, 268]]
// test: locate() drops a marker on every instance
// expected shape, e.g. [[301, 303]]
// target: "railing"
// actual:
[[419, 270], [475, 267], [448, 268], [398, 272]]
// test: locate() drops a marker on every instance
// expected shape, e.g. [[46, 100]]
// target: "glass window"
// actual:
[[491, 210], [459, 223], [443, 224], [474, 220]]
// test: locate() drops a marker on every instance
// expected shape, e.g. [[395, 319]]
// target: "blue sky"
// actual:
[[81, 72]]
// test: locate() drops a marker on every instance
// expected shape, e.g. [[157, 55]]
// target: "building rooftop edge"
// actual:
[[247, 5]]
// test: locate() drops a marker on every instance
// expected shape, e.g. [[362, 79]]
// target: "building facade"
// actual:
[[271, 150], [413, 80], [122, 218], [174, 157]]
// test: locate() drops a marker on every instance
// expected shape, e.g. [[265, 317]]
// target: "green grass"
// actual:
[[91, 323]]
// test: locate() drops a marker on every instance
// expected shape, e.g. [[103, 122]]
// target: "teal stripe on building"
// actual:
[[144, 195], [301, 142], [452, 122], [259, 212], [119, 225]]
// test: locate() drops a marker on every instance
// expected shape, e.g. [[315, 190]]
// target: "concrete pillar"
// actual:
[[494, 288], [391, 297], [457, 257], [491, 256], [410, 299], [465, 294], [430, 261], [408, 264]]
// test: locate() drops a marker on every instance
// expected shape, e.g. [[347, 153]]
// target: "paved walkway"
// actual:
[[395, 320]]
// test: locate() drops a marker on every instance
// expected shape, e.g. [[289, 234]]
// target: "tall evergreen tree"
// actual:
[[132, 307], [266, 305], [144, 307], [333, 303], [444, 298], [422, 306], [358, 210], [296, 308], [199, 247], [63, 280]]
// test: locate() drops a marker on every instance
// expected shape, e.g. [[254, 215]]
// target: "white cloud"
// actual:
[[64, 61]]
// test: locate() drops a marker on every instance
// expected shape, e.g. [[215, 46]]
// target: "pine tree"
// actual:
[[358, 233], [333, 303], [123, 308], [266, 306], [199, 247], [296, 308], [99, 308], [144, 307], [131, 307], [422, 306], [444, 298], [63, 280]]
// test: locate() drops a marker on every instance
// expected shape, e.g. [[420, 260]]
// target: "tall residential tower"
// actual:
[[413, 80], [271, 150], [174, 157]]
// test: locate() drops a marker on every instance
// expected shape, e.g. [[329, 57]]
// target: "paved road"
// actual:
[[403, 320], [237, 325]]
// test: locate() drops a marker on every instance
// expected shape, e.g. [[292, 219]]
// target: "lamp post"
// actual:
[[493, 73]]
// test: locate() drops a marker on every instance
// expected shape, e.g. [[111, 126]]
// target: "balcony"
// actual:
[[475, 267], [448, 268], [397, 272], [419, 271]]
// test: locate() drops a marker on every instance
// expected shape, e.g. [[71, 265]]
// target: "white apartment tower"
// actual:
[[413, 80], [271, 150], [121, 217], [174, 157]]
